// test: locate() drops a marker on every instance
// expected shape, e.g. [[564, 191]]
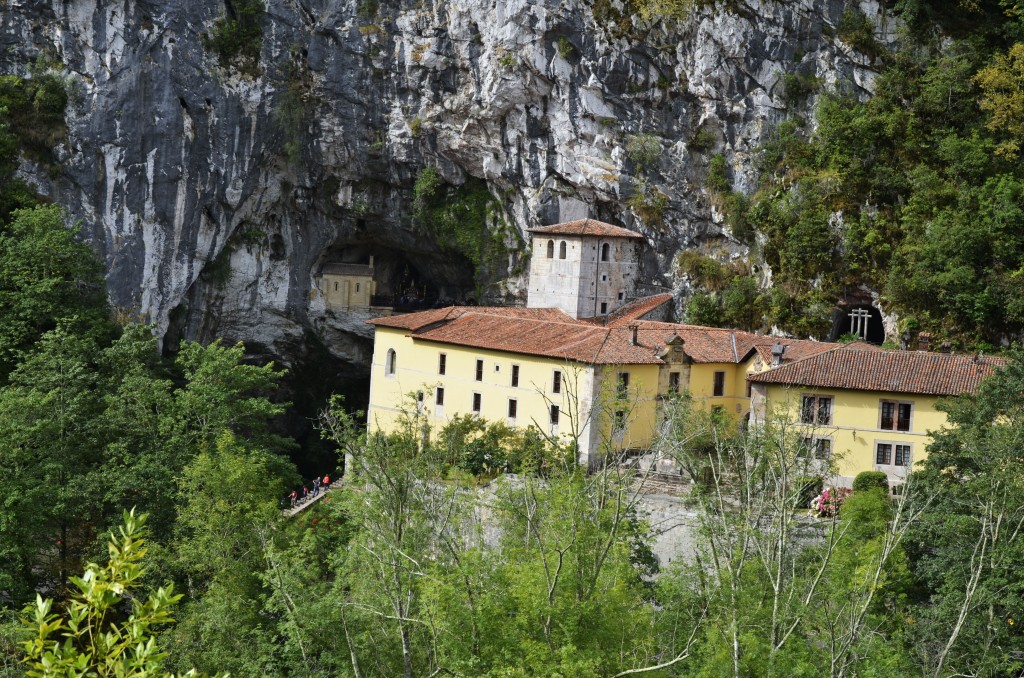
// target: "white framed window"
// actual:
[[477, 403], [442, 363], [819, 447], [556, 381], [815, 409], [895, 415], [391, 363], [515, 375], [513, 409]]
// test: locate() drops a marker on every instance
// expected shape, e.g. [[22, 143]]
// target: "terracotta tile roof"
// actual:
[[701, 344], [844, 367], [637, 309], [796, 349], [569, 340], [587, 227], [421, 319]]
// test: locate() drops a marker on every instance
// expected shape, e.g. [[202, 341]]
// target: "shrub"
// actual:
[[237, 37], [643, 149], [809, 488], [718, 177], [704, 309], [704, 139], [830, 501], [564, 47], [649, 203], [857, 31], [869, 480]]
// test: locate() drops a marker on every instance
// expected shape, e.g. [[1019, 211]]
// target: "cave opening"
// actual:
[[862, 321]]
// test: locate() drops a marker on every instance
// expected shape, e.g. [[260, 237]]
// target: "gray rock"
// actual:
[[178, 168]]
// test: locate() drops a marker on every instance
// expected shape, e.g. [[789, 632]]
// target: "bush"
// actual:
[[649, 203], [643, 149], [718, 177], [809, 488], [237, 38], [869, 480], [830, 501]]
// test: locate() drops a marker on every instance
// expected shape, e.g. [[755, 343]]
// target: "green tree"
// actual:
[[969, 542], [91, 638], [46, 276], [230, 505]]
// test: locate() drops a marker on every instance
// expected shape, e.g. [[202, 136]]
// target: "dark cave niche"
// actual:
[[845, 322], [405, 280]]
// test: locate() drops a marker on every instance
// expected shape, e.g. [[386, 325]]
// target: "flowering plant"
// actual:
[[827, 503]]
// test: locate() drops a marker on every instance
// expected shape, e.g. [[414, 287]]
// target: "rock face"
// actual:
[[215, 209]]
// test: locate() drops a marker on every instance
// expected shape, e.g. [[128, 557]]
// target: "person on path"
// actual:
[[305, 493], [292, 497], [316, 486], [327, 482]]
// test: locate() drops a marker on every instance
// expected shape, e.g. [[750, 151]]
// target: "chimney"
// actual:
[[924, 341], [946, 347], [371, 262], [636, 330], [777, 351]]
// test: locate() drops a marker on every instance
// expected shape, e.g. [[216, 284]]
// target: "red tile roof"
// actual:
[[421, 319], [796, 349], [854, 368], [637, 309], [570, 340], [587, 227]]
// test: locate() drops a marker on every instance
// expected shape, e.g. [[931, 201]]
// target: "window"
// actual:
[[604, 307], [673, 382], [903, 455], [622, 295], [442, 363], [419, 401], [749, 389], [515, 375], [357, 287], [719, 384], [551, 249], [479, 370], [883, 453], [604, 252], [622, 384], [439, 396], [816, 410], [821, 448], [895, 416], [556, 382], [391, 364], [476, 403], [513, 405], [554, 415], [604, 277], [619, 422], [561, 250], [335, 287]]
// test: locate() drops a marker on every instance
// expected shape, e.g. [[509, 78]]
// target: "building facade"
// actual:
[[587, 365], [347, 286], [870, 410]]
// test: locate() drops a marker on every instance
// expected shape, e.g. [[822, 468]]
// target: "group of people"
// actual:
[[299, 497]]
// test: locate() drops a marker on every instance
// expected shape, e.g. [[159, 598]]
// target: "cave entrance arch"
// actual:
[[863, 321]]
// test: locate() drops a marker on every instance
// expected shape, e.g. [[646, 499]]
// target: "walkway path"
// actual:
[[298, 508]]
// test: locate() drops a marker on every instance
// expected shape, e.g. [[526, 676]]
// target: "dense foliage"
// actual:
[[916, 192]]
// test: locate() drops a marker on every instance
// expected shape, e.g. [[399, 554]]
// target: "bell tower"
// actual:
[[586, 268]]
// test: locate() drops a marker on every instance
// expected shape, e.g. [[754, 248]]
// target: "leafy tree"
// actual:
[[969, 542], [46, 276], [231, 495], [91, 638]]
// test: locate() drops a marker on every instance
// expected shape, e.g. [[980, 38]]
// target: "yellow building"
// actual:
[[598, 380], [348, 285], [871, 410]]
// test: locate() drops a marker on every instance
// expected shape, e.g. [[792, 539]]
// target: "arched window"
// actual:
[[551, 249], [561, 250], [392, 362], [604, 252]]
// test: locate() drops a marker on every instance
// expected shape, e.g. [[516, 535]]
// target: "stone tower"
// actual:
[[586, 268]]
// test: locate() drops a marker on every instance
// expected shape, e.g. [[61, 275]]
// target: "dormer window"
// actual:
[[561, 250], [551, 249]]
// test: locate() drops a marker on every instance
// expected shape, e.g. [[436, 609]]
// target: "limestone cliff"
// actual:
[[215, 210]]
